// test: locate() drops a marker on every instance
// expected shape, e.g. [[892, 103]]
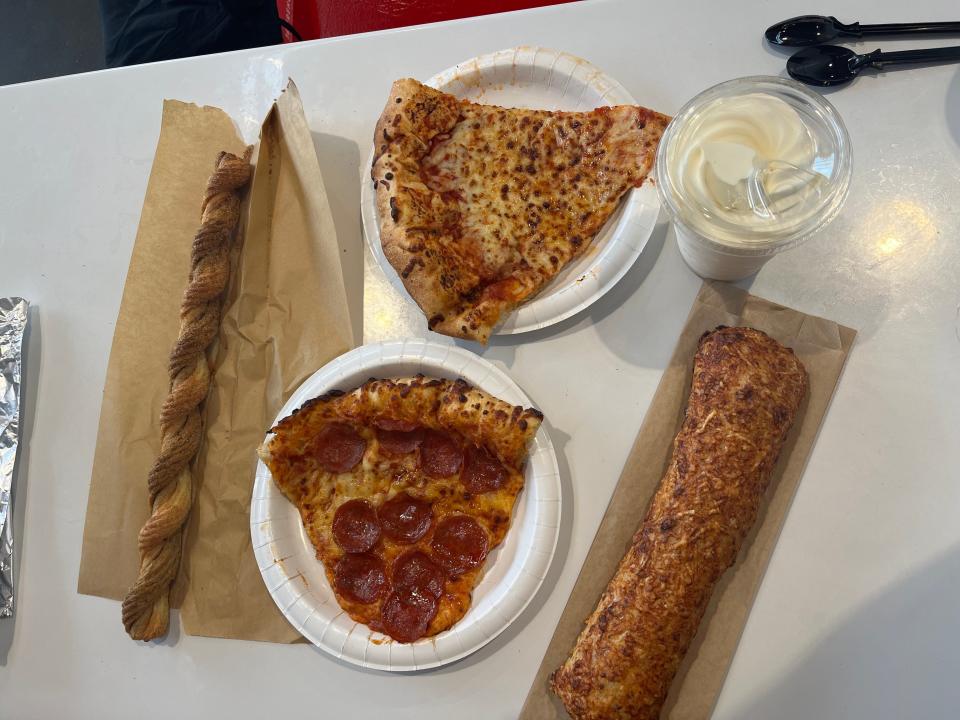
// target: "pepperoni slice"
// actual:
[[405, 519], [355, 526], [394, 425], [440, 456], [399, 442], [414, 573], [459, 544], [407, 619], [338, 448], [482, 472], [360, 577]]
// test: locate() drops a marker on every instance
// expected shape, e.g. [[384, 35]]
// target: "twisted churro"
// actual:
[[146, 607]]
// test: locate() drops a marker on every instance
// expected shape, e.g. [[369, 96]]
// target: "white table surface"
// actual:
[[857, 616]]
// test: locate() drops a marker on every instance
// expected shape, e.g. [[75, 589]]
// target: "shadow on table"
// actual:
[[29, 378], [895, 657], [174, 630], [953, 108], [504, 346], [654, 300], [560, 440], [339, 160]]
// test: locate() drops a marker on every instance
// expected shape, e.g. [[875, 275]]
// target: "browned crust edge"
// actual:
[[627, 655]]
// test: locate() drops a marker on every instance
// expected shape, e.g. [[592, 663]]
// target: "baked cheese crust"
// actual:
[[747, 390]]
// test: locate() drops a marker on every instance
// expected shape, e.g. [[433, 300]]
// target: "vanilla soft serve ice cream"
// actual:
[[748, 160], [748, 170]]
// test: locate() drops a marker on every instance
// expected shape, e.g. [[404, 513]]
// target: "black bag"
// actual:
[[140, 31]]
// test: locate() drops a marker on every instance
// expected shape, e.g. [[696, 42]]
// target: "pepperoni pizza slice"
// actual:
[[404, 486], [481, 206]]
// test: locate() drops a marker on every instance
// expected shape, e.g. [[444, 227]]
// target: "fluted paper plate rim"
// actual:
[[514, 571], [546, 79]]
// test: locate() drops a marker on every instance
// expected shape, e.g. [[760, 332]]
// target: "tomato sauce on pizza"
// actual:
[[404, 487], [481, 206]]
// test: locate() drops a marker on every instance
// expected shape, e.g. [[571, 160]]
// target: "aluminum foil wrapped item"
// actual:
[[13, 322]]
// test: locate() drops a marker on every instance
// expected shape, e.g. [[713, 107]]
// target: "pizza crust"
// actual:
[[504, 429], [481, 206], [414, 115], [453, 407]]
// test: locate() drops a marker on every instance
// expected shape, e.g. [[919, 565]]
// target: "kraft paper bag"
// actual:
[[822, 345], [285, 315]]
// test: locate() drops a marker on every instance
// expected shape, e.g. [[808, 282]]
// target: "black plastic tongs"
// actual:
[[807, 30], [826, 65]]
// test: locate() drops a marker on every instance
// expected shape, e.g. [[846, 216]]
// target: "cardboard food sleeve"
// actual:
[[285, 314], [822, 346]]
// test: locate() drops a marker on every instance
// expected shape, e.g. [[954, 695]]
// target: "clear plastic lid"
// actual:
[[780, 201]]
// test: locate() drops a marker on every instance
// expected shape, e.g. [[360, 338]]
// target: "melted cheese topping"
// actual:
[[481, 206], [379, 476], [532, 188]]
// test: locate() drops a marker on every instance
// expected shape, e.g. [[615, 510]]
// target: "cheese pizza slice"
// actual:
[[404, 486], [481, 206]]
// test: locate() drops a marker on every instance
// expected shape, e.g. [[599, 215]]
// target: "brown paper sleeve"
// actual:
[[285, 315], [128, 438], [823, 346]]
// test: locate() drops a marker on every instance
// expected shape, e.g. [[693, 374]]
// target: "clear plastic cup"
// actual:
[[715, 247]]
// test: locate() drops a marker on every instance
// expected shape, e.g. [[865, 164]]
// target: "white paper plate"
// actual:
[[514, 571], [548, 80]]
